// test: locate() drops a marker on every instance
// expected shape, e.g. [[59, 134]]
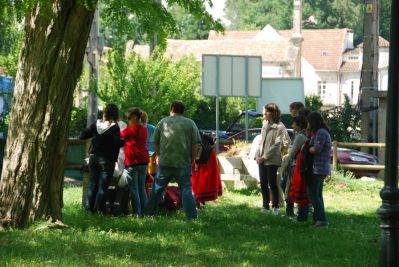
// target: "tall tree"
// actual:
[[250, 15], [188, 26], [56, 33]]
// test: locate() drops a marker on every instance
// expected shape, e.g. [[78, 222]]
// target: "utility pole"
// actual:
[[92, 58], [369, 73]]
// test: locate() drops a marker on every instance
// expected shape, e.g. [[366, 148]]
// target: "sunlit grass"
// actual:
[[229, 232]]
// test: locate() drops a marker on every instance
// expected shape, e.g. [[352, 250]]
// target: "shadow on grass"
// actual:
[[254, 191], [226, 234]]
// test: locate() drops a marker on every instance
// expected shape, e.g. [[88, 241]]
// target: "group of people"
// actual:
[[305, 163], [168, 150]]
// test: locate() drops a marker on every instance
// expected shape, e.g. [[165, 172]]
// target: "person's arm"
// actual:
[[299, 140], [117, 137], [194, 152], [88, 133], [276, 146], [319, 141]]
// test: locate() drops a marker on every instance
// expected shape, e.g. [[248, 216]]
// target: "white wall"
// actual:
[[346, 86], [331, 96], [383, 79], [310, 78]]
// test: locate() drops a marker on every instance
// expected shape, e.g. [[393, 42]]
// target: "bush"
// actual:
[[344, 123], [78, 121]]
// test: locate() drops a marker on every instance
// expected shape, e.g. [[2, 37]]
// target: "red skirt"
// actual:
[[298, 191], [206, 181]]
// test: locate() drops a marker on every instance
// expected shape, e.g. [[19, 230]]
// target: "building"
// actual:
[[329, 63]]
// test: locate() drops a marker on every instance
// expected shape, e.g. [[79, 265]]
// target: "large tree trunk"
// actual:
[[50, 64]]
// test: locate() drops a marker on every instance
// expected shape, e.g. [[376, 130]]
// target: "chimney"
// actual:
[[297, 23], [296, 38]]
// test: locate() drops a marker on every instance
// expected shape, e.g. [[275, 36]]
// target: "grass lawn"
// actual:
[[229, 232]]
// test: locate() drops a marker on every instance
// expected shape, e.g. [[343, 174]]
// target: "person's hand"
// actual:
[[260, 160]]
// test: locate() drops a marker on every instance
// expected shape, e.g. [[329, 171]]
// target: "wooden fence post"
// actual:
[[335, 156]]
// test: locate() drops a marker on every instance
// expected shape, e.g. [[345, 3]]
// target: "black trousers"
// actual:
[[268, 179]]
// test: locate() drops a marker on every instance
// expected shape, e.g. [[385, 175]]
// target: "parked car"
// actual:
[[240, 136], [345, 155], [352, 156], [238, 125]]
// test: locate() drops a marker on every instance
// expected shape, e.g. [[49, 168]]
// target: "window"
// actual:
[[353, 58], [321, 88], [352, 91], [324, 53]]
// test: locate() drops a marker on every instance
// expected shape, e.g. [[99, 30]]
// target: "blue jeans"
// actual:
[[315, 191], [101, 171], [183, 178], [136, 176]]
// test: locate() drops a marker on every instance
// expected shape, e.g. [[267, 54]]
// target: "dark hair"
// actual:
[[133, 112], [177, 107], [316, 121], [304, 112], [297, 105], [111, 112], [301, 121], [274, 110]]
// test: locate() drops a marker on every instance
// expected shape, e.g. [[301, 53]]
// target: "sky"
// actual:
[[217, 11]]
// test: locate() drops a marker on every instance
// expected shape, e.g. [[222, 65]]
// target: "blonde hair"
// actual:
[[144, 117]]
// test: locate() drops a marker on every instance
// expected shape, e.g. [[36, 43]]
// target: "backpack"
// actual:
[[206, 147], [306, 166], [172, 198]]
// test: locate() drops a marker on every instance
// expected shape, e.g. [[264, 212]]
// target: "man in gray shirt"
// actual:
[[176, 140]]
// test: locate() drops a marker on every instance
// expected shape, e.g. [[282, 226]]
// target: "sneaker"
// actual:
[[264, 210], [320, 224], [275, 211]]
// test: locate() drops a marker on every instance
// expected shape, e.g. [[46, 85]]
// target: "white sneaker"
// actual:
[[264, 210], [275, 211]]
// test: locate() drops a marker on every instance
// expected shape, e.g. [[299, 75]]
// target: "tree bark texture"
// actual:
[[50, 64]]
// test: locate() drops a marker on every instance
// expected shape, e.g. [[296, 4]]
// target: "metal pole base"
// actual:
[[389, 214]]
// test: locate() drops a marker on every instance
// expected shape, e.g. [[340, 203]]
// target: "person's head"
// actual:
[[271, 112], [111, 113], [316, 121], [299, 123], [304, 112], [295, 107], [177, 107], [144, 117], [134, 115]]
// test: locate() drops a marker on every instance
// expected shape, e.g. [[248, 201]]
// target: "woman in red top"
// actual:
[[136, 158]]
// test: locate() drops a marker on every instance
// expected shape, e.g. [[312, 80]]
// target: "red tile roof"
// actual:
[[381, 42], [350, 66], [281, 51], [322, 48]]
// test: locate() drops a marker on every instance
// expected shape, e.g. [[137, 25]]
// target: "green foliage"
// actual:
[[229, 232], [250, 15], [78, 121], [344, 124], [151, 84], [188, 26], [147, 17], [313, 102], [385, 18]]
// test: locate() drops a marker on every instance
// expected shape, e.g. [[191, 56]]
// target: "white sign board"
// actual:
[[282, 91], [226, 75]]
